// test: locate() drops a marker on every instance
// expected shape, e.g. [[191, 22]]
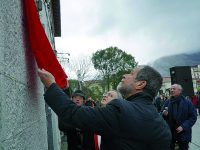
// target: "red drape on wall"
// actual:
[[96, 142], [40, 46]]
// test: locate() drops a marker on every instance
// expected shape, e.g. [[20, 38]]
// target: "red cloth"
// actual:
[[40, 46], [96, 142], [195, 101]]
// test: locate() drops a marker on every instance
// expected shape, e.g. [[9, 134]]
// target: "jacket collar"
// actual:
[[140, 95], [176, 99]]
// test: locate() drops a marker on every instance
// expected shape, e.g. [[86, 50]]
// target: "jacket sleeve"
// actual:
[[192, 117], [166, 104], [103, 120]]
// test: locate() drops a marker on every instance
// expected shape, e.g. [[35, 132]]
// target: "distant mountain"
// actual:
[[164, 63]]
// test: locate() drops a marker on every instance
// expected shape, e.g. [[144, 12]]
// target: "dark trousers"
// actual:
[[174, 143], [183, 145]]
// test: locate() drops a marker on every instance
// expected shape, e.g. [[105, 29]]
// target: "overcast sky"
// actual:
[[146, 29]]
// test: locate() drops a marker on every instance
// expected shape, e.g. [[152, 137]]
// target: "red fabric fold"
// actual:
[[40, 46], [96, 142]]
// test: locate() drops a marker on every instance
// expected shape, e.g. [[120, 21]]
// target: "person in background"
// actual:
[[158, 102], [110, 95], [107, 97], [103, 101], [90, 139], [90, 102], [180, 114], [78, 139], [129, 124], [74, 135], [194, 100]]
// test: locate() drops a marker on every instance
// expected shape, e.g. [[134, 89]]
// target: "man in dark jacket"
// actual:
[[78, 139], [180, 114], [131, 124]]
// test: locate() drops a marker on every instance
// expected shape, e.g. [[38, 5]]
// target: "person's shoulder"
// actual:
[[184, 98], [189, 102], [166, 101], [116, 103]]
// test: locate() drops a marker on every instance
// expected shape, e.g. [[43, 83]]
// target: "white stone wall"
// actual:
[[22, 109]]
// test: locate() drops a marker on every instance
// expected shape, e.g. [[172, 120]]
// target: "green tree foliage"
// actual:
[[113, 63], [90, 88], [94, 91], [73, 85]]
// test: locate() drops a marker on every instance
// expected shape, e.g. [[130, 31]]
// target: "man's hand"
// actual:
[[67, 86], [165, 112], [46, 77], [179, 129]]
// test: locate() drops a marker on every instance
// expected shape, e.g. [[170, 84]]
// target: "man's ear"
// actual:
[[140, 85]]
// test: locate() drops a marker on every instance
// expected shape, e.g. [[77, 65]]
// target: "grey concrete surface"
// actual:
[[195, 144], [22, 111]]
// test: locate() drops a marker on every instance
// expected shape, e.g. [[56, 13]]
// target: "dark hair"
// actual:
[[90, 103], [153, 79], [79, 93]]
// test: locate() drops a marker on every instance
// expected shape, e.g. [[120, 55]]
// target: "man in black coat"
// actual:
[[77, 139], [181, 115], [131, 124]]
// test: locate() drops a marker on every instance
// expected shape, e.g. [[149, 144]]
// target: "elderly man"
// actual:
[[131, 124], [181, 116]]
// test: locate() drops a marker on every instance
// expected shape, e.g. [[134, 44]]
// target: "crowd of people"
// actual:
[[140, 120], [78, 139]]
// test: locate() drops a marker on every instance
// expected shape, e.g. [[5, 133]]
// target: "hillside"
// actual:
[[164, 63]]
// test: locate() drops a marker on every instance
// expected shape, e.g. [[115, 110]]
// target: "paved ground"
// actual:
[[195, 144], [63, 143]]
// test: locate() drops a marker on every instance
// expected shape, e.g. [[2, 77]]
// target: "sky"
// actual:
[[146, 29]]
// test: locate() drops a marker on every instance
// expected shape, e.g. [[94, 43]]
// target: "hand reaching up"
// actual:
[[46, 77]]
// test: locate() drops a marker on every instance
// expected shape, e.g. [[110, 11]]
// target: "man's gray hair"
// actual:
[[179, 86], [153, 79]]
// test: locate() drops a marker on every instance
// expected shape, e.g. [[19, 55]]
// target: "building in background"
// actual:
[[195, 70], [25, 121]]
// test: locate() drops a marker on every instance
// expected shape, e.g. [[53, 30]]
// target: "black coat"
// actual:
[[184, 116], [132, 124], [77, 139]]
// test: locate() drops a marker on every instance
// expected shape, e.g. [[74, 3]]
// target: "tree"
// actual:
[[87, 77], [113, 63], [81, 66]]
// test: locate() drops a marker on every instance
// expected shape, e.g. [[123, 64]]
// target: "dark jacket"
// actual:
[[131, 124], [77, 139], [158, 103], [185, 116]]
